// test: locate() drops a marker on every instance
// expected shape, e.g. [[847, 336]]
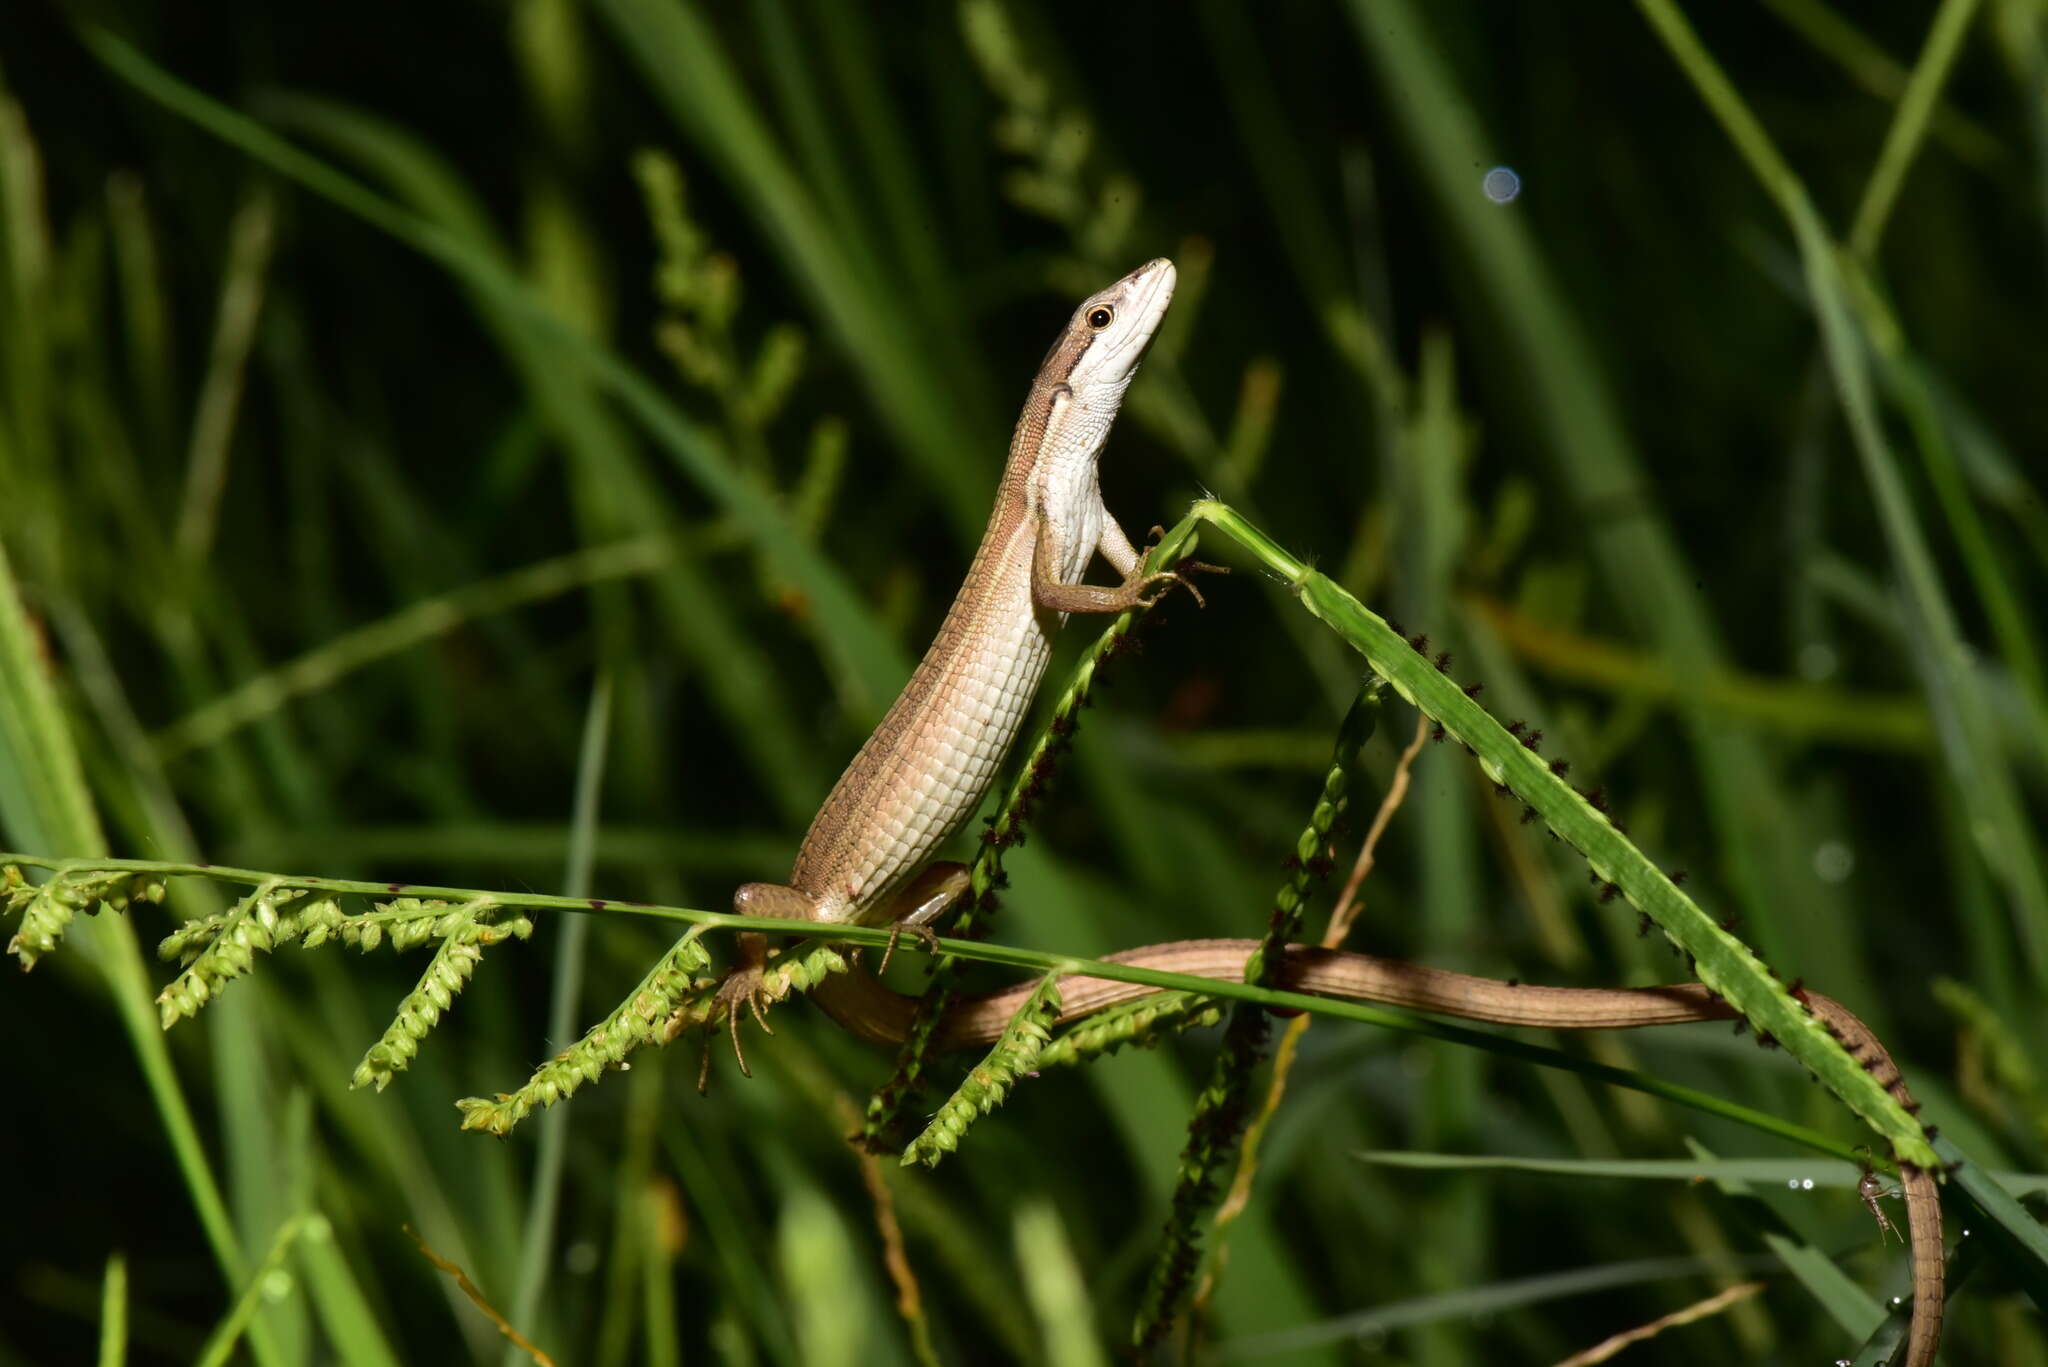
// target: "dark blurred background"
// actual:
[[1587, 439]]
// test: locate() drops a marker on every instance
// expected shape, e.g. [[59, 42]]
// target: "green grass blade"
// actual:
[[820, 1283], [1037, 961], [1057, 1289], [537, 1251], [1881, 1349], [1910, 127], [1474, 1301], [1978, 767], [413, 625], [1721, 961], [1848, 1304], [1770, 1171], [349, 1318], [1764, 840], [2018, 1228], [1872, 68], [43, 798], [220, 1347], [114, 1313], [861, 654], [615, 499], [687, 67]]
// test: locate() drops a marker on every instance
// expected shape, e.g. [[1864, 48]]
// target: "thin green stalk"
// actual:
[[544, 1201], [845, 625], [1764, 836], [1040, 962], [1910, 124], [53, 806], [346, 1314], [228, 1333], [1720, 961], [1058, 1289], [1978, 767], [321, 667], [1476, 1302], [114, 1313], [614, 496], [220, 396], [688, 68], [1871, 67]]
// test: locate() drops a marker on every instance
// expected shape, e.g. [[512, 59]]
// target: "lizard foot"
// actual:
[[743, 988], [1179, 575], [925, 936]]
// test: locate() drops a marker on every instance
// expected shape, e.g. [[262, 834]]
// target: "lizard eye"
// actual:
[[1101, 316]]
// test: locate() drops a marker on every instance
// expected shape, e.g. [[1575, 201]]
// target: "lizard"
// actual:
[[866, 858]]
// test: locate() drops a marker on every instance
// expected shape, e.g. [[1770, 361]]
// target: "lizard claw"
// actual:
[[927, 939], [1179, 575], [743, 987]]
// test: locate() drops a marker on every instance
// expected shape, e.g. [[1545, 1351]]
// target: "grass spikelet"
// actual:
[[1218, 1122], [46, 909], [219, 949], [464, 933], [1142, 1022], [983, 1089], [653, 1013]]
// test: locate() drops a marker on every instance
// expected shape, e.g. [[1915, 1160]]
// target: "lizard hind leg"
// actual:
[[743, 986]]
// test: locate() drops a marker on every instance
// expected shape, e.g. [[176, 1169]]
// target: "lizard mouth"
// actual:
[[1149, 290], [1144, 297]]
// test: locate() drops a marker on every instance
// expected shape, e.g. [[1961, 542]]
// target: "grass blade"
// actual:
[[544, 1200], [1978, 767], [114, 1313], [864, 658]]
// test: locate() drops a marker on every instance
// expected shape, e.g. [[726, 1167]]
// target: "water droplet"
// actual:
[[1806, 1184], [1502, 185], [1898, 1300], [1792, 1184], [1833, 861], [1817, 661]]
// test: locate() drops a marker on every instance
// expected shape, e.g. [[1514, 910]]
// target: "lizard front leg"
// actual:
[[913, 908], [742, 986], [1138, 589]]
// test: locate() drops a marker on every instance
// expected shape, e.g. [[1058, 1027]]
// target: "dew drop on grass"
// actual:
[[1502, 185], [1833, 861], [1818, 662]]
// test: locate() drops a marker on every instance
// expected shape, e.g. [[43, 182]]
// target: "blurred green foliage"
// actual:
[[464, 364]]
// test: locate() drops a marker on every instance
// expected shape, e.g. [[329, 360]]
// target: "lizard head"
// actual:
[[1107, 335]]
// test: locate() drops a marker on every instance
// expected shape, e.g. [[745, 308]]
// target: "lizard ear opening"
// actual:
[[1101, 316]]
